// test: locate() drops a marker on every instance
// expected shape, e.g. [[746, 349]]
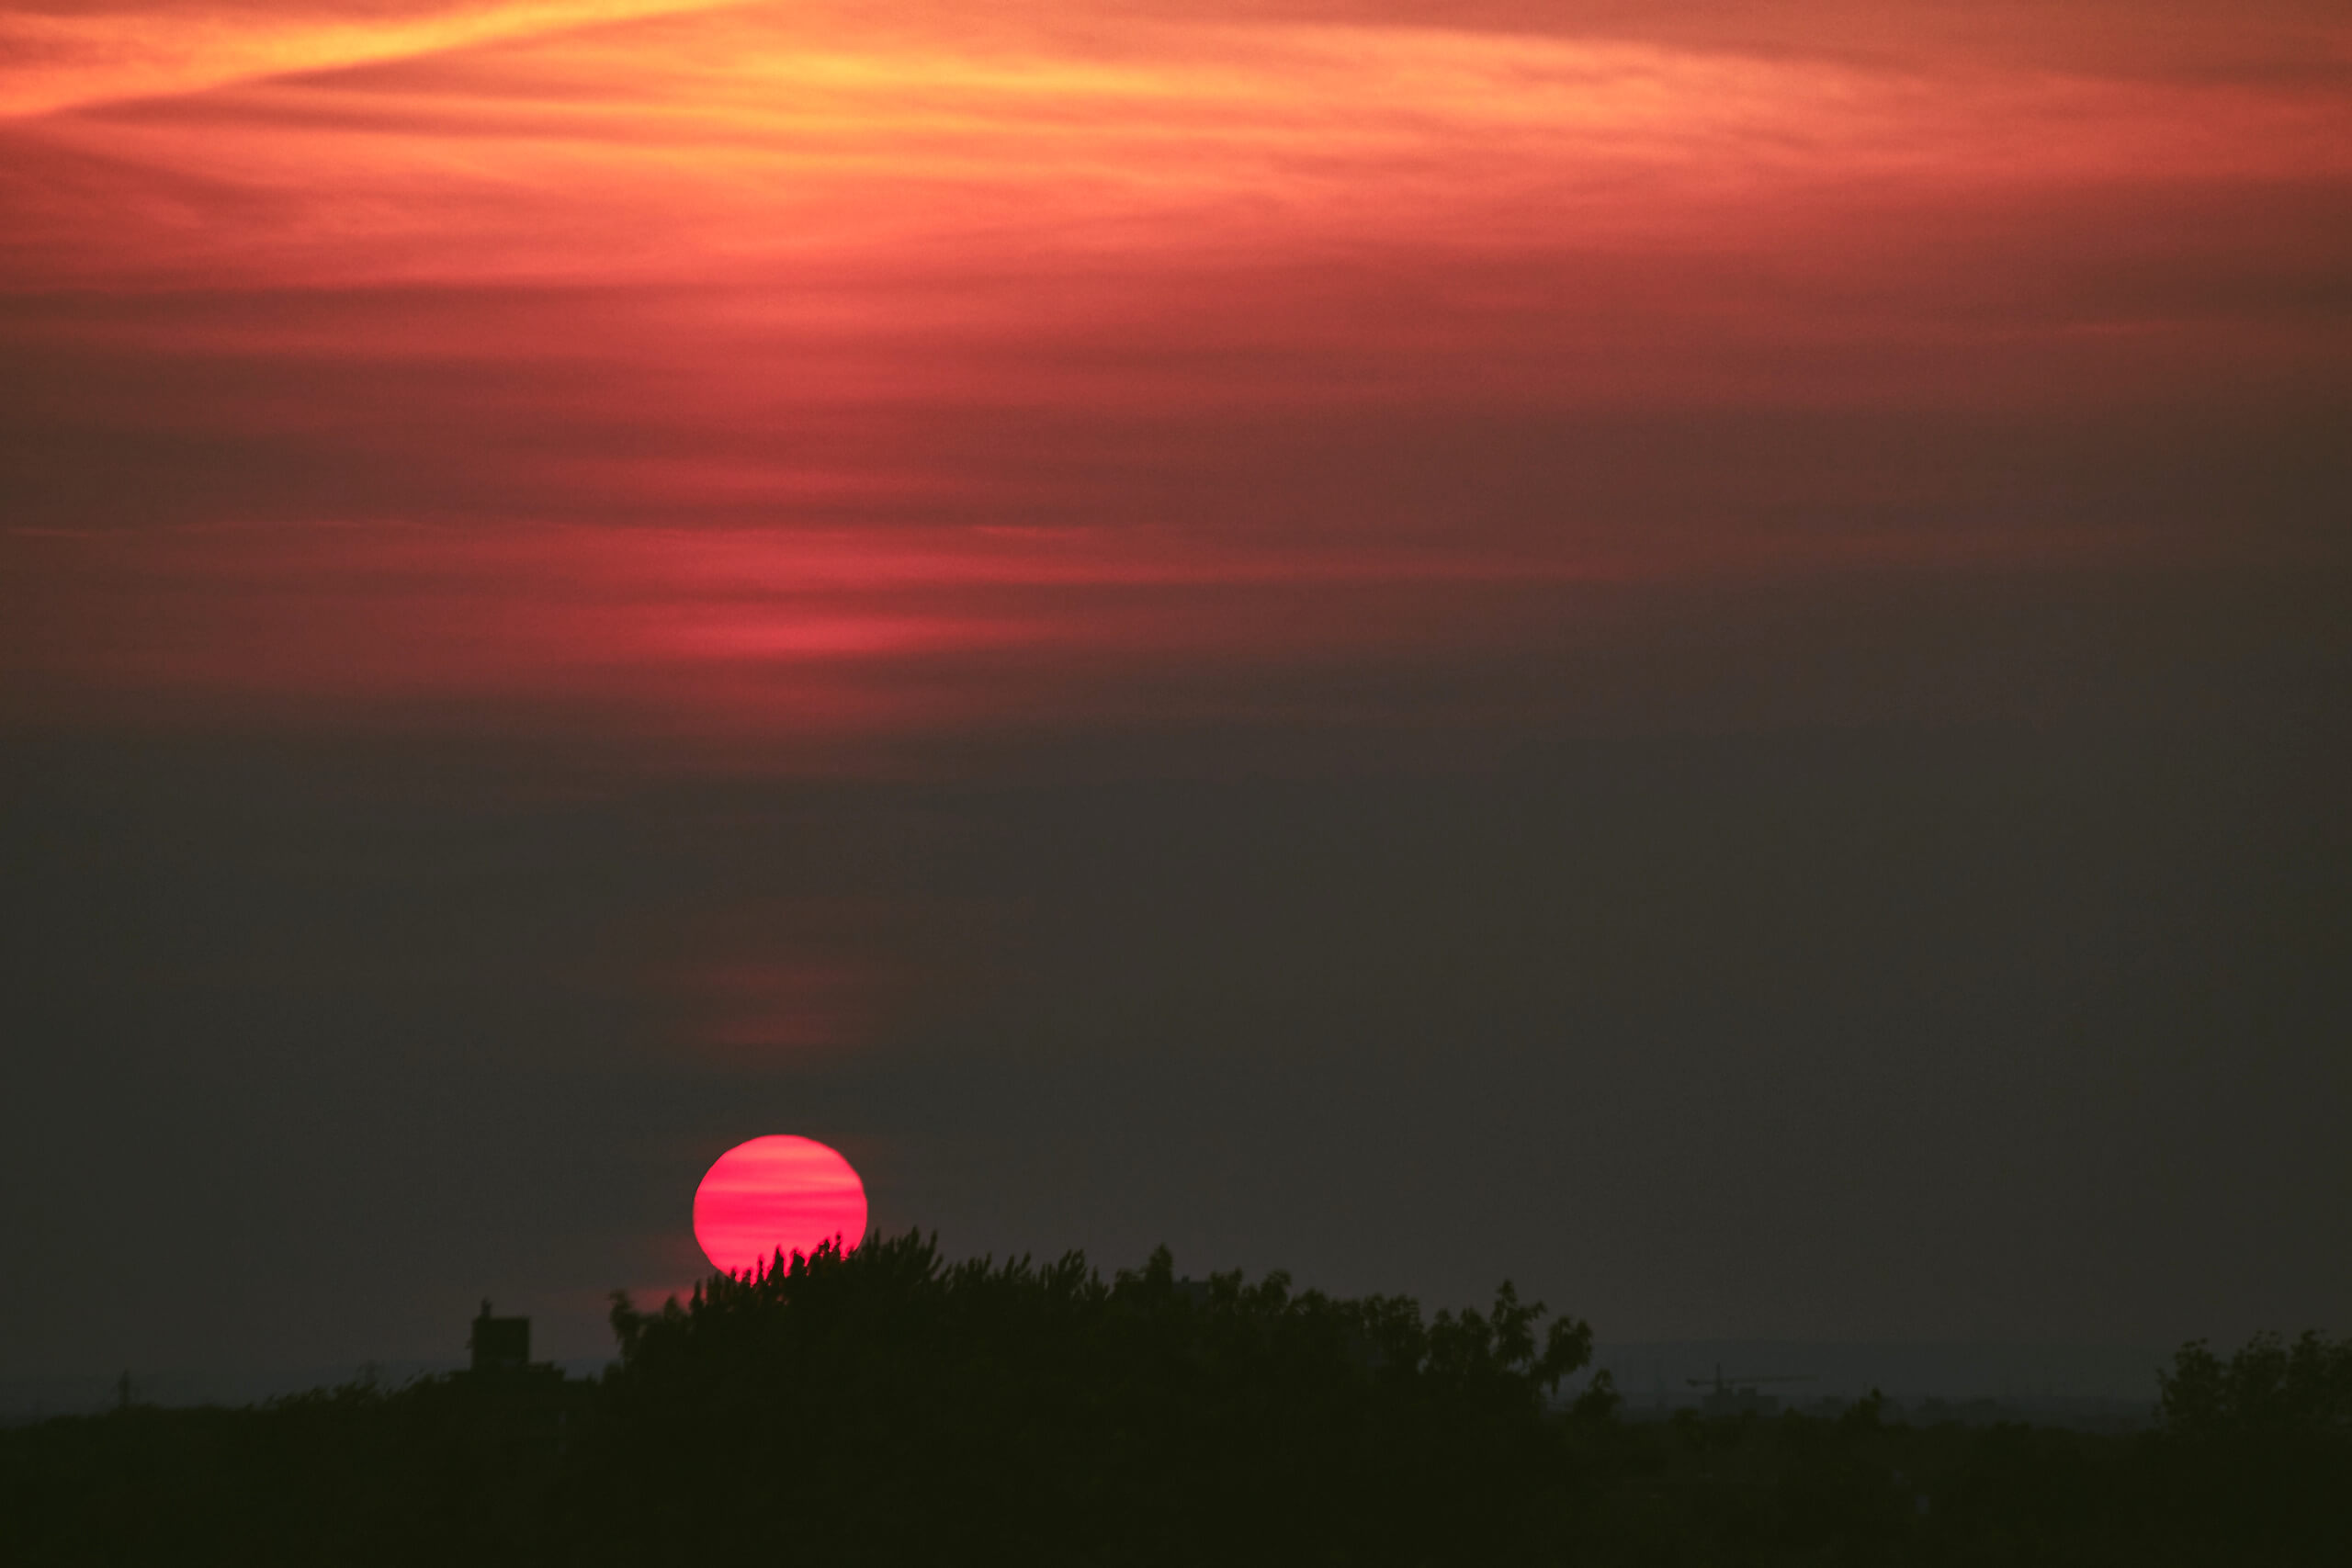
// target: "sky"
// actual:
[[1690, 654]]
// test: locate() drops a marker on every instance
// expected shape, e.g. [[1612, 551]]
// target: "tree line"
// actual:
[[890, 1406]]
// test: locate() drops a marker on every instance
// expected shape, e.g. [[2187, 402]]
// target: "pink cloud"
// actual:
[[765, 371]]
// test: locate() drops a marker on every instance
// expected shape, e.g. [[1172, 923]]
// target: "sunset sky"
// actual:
[[1692, 653]]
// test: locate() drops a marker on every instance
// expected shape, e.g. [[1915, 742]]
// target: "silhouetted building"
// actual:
[[1719, 1404], [1727, 1397], [500, 1342]]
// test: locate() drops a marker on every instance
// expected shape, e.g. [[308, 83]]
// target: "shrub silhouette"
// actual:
[[889, 1406], [2258, 1447], [893, 1405]]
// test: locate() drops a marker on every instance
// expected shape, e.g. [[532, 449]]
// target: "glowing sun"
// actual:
[[776, 1194]]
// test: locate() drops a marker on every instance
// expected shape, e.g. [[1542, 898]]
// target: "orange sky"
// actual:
[[789, 370], [1633, 639]]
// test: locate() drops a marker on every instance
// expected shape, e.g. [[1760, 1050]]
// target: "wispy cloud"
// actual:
[[855, 370], [54, 60]]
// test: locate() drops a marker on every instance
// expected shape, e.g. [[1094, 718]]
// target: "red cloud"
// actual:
[[754, 370]]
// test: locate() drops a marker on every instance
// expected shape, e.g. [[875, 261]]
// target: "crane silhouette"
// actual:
[[1722, 1385]]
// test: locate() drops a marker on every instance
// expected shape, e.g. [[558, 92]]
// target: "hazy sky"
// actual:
[[1694, 654]]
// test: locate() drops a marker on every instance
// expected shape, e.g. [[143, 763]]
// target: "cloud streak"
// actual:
[[61, 60], [817, 372]]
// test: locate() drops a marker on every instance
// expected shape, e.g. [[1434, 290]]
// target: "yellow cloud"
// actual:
[[55, 62]]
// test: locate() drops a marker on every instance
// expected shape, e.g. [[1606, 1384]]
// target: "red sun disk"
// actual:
[[776, 1194]]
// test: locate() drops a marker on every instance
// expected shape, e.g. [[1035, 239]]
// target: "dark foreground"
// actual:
[[889, 1408]]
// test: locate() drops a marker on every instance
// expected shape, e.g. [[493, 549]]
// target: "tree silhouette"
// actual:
[[892, 1406], [892, 1403], [2258, 1447]]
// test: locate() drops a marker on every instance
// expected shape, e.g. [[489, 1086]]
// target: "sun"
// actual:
[[776, 1194]]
